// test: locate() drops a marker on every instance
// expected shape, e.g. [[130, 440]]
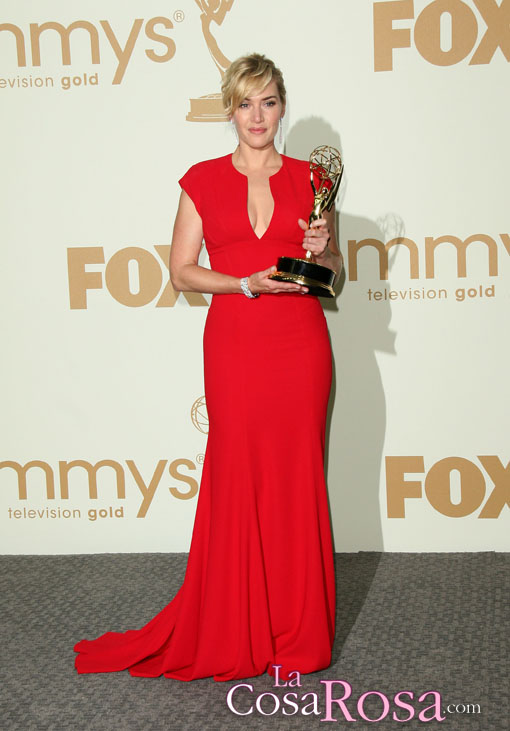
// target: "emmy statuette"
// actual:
[[327, 165], [209, 108]]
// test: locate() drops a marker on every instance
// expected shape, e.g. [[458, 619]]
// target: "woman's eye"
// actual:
[[271, 103], [243, 105]]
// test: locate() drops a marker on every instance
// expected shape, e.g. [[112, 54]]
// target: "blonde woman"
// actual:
[[259, 588]]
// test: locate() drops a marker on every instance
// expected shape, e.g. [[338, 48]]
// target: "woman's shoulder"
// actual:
[[296, 163]]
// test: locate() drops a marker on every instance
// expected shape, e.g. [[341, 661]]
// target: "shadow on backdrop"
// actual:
[[358, 329]]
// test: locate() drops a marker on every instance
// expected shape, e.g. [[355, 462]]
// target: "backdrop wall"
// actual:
[[102, 111]]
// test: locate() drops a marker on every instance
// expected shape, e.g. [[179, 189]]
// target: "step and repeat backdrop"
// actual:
[[104, 105]]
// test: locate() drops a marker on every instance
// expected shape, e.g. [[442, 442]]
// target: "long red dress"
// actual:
[[259, 586]]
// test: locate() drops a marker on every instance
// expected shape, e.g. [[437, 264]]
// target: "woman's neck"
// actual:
[[252, 159]]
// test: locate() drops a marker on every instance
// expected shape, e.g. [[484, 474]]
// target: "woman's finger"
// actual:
[[268, 271]]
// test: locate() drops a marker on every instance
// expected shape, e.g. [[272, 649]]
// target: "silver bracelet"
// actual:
[[246, 289]]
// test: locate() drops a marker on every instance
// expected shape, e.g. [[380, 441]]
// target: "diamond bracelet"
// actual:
[[246, 289]]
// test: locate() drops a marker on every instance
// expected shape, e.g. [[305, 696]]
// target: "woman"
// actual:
[[259, 585]]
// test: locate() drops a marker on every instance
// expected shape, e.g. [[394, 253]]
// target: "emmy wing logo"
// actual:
[[209, 108], [199, 415]]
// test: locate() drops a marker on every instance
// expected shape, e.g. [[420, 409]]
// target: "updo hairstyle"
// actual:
[[249, 75]]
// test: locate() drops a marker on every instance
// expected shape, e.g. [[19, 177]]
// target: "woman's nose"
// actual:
[[257, 113]]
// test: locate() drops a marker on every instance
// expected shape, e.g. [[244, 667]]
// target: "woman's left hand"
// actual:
[[316, 237]]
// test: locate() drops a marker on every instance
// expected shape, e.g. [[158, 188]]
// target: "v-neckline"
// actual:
[[259, 238]]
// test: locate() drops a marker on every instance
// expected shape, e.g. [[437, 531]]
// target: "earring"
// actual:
[[280, 136], [234, 130]]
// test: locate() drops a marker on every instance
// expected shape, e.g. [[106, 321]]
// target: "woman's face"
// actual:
[[257, 117]]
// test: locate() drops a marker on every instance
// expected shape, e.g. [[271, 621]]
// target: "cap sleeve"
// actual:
[[191, 184]]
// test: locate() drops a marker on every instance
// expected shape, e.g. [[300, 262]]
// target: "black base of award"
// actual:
[[317, 278]]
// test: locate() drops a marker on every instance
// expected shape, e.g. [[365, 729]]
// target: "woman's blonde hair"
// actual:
[[249, 75]]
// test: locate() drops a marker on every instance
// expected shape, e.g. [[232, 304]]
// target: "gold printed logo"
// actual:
[[60, 502], [209, 108], [133, 276], [199, 415], [431, 245], [122, 48], [462, 35], [427, 262], [455, 475]]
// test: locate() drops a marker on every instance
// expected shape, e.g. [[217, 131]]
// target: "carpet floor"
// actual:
[[405, 622]]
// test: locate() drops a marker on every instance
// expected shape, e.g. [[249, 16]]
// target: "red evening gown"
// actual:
[[259, 586]]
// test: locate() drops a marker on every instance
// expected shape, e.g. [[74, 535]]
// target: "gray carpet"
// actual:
[[415, 622]]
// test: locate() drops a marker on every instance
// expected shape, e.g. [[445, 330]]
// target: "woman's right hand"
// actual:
[[260, 283]]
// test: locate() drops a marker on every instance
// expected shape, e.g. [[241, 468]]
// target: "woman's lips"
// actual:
[[257, 130]]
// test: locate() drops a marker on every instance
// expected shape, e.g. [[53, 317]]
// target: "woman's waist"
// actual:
[[282, 320], [247, 258], [291, 307]]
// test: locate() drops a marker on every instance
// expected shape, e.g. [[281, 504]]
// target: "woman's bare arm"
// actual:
[[185, 272], [322, 241]]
